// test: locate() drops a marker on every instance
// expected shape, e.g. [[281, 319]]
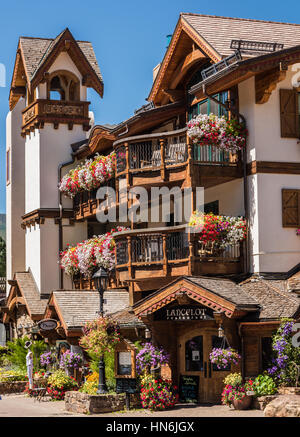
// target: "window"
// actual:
[[290, 208], [212, 207], [64, 86], [194, 354], [289, 113], [8, 166], [266, 352], [208, 106]]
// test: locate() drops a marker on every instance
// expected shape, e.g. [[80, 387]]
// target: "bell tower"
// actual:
[[52, 77]]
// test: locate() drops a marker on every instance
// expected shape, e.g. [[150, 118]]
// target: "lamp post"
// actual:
[[101, 279]]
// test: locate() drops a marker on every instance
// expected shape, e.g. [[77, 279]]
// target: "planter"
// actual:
[[242, 404]]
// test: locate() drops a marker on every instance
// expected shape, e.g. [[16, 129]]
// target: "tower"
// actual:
[[51, 76]]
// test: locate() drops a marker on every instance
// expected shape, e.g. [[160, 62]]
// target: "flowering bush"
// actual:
[[91, 254], [47, 359], [233, 379], [12, 375], [59, 383], [70, 360], [150, 356], [236, 393], [157, 394], [298, 231], [89, 175], [100, 335], [223, 357], [286, 366], [224, 231], [89, 387], [218, 131]]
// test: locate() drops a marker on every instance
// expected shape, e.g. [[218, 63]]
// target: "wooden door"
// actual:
[[194, 349]]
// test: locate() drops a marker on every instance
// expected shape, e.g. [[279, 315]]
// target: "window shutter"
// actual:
[[289, 120], [290, 208]]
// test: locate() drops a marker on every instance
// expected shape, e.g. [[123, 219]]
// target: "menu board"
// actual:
[[126, 385], [188, 388]]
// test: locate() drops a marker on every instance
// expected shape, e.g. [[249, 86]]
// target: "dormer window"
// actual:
[[63, 86]]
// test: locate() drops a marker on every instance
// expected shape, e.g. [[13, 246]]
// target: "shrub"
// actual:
[[89, 387], [17, 352], [264, 385], [12, 375], [59, 383], [157, 394]]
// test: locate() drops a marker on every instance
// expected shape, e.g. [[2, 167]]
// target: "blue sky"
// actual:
[[129, 39]]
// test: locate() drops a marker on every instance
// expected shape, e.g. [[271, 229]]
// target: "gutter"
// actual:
[[244, 156]]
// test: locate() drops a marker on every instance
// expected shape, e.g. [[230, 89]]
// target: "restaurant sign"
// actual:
[[184, 313], [47, 324]]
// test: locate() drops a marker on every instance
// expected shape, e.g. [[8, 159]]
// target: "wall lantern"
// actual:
[[221, 332], [147, 334]]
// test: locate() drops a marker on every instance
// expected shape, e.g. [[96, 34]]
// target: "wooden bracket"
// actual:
[[265, 83]]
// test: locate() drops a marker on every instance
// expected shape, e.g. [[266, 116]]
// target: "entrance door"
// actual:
[[194, 349]]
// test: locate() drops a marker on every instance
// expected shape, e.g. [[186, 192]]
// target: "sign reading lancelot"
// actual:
[[47, 324], [185, 312]]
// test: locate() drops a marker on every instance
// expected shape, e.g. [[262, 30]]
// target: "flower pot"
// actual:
[[242, 404]]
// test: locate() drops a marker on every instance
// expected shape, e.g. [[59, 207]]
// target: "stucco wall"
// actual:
[[15, 193], [230, 197]]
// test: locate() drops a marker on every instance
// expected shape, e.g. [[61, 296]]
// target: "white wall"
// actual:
[[230, 197], [272, 247], [15, 193], [263, 122], [33, 252]]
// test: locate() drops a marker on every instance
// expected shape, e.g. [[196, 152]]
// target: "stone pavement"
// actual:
[[22, 406]]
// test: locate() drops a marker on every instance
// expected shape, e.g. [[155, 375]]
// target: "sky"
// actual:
[[129, 39]]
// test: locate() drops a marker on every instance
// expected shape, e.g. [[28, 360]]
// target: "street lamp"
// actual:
[[101, 280]]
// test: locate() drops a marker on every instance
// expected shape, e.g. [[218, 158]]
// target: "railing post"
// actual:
[[162, 143], [127, 163], [190, 167], [191, 239], [129, 247], [165, 257]]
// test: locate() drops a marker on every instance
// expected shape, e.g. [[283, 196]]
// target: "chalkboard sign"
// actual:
[[126, 385], [188, 388]]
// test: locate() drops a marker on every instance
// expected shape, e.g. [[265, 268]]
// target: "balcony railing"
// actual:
[[171, 251], [167, 150], [85, 203]]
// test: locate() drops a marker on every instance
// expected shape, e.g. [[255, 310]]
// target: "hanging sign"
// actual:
[[184, 313], [47, 324], [126, 385]]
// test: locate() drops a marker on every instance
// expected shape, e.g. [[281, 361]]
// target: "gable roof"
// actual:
[[219, 31], [213, 36], [76, 308], [35, 55], [256, 298]]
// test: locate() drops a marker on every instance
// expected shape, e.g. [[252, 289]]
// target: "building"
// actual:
[[161, 279]]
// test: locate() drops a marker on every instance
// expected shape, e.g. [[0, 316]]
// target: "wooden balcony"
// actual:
[[43, 111], [81, 283], [85, 203], [169, 157], [151, 257]]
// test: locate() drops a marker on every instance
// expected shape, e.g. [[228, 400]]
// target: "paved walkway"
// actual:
[[22, 406]]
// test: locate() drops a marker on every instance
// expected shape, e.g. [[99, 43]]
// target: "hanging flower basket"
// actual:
[[216, 131], [223, 357], [89, 175], [216, 232], [91, 254]]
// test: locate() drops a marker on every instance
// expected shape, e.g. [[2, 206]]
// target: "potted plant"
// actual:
[[236, 393]]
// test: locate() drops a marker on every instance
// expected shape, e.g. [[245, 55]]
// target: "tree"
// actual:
[[2, 257]]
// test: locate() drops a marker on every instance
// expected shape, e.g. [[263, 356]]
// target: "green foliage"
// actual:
[[89, 387], [17, 352], [109, 360], [264, 385], [12, 375], [2, 257]]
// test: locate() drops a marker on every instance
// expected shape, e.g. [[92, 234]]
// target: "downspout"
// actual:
[[244, 156], [60, 226]]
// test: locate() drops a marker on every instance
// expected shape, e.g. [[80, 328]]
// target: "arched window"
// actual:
[[63, 85]]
